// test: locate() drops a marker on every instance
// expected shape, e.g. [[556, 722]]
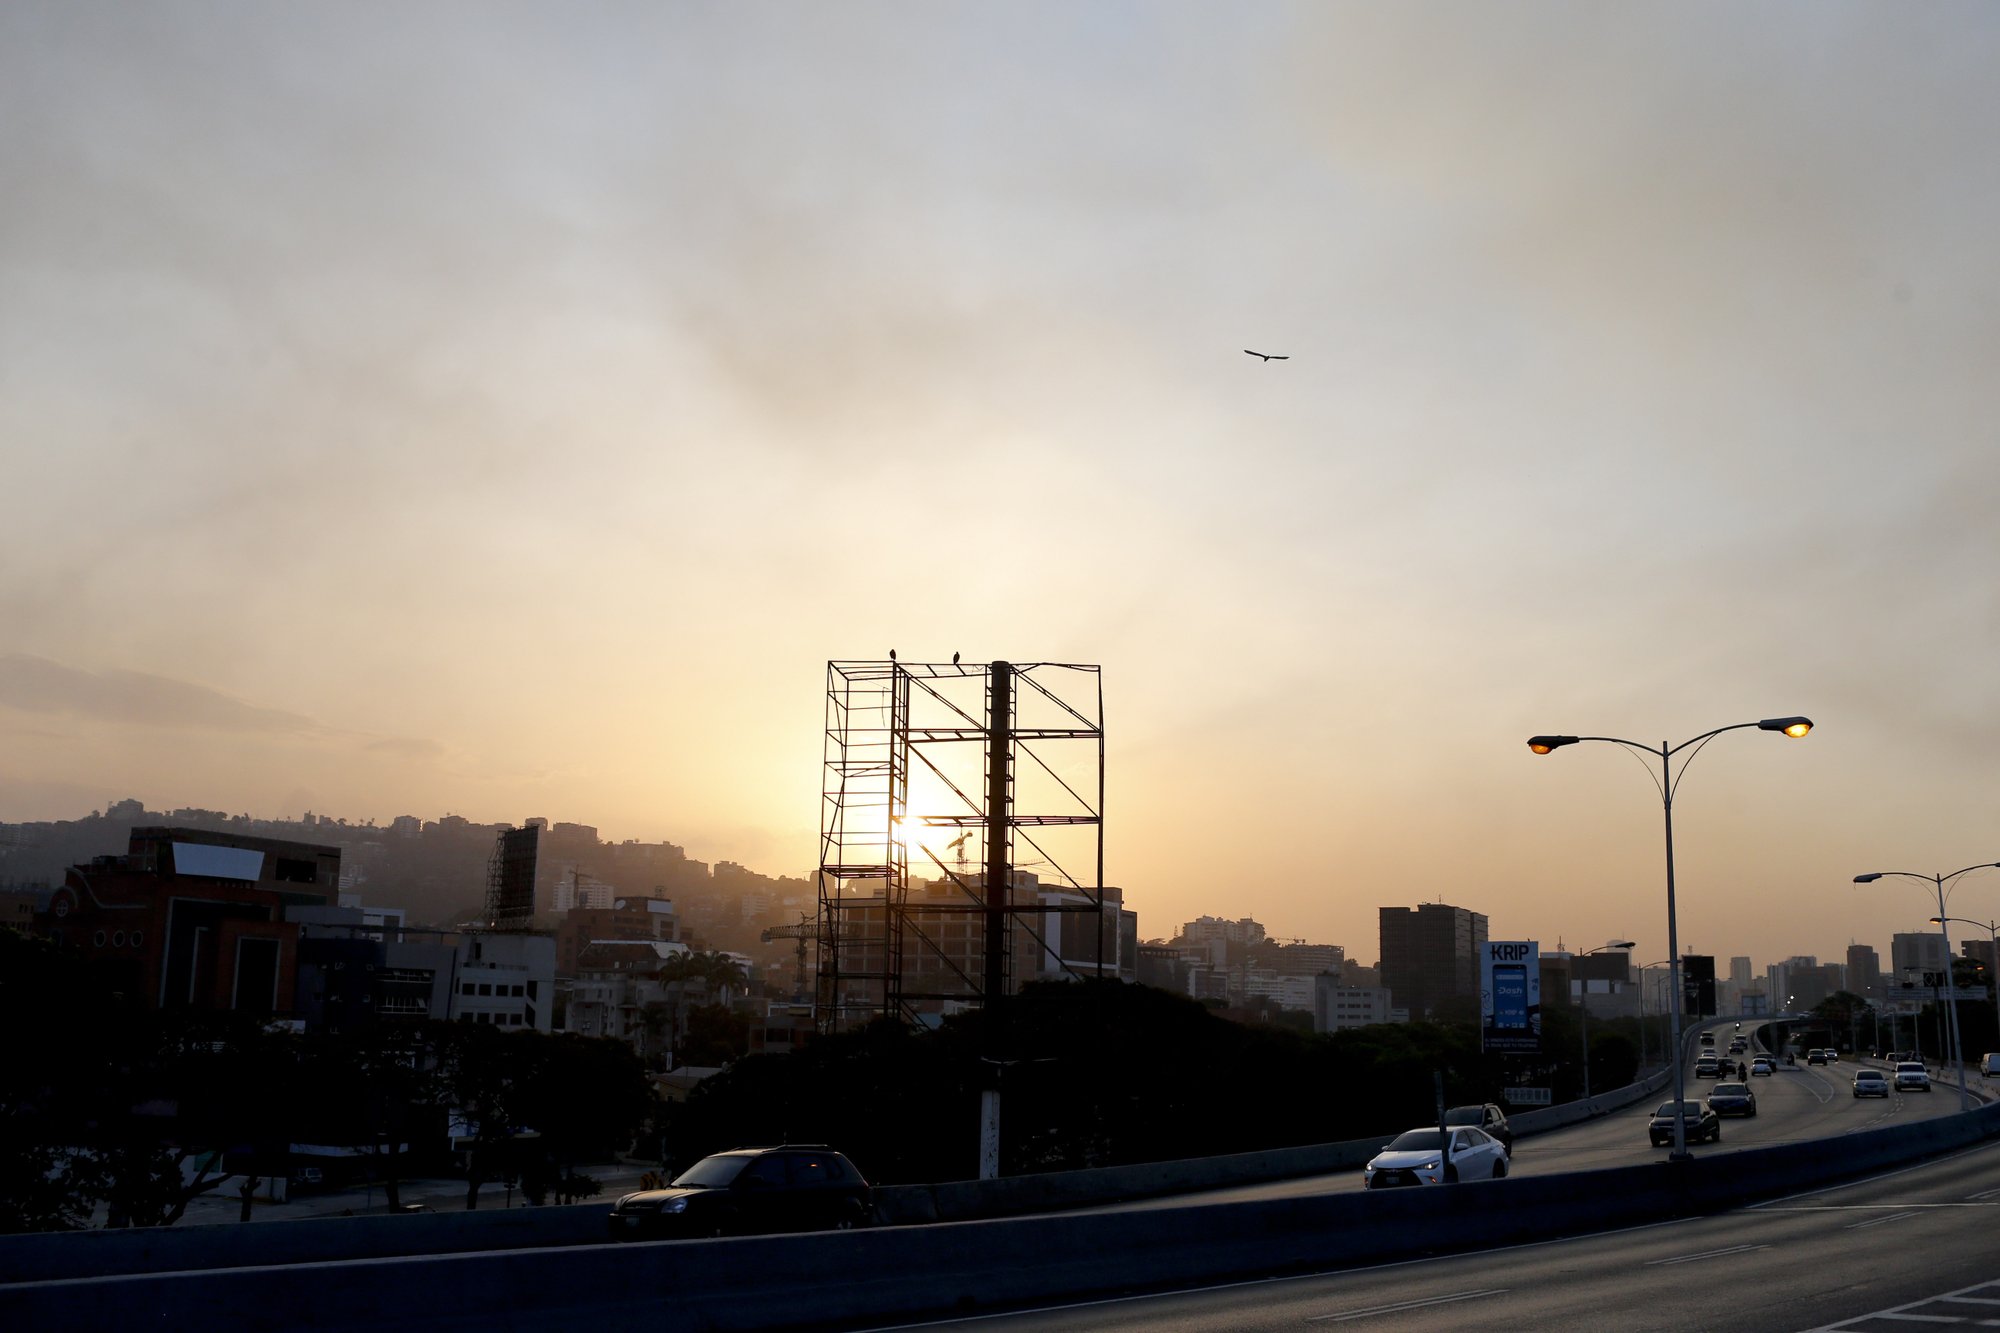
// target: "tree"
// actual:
[[479, 1071]]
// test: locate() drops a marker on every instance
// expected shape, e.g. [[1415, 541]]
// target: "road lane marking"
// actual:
[[1401, 1306], [1706, 1254], [1878, 1221], [1985, 1194], [1873, 1207], [1902, 1312]]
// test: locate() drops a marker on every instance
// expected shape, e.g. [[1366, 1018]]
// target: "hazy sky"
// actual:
[[507, 410]]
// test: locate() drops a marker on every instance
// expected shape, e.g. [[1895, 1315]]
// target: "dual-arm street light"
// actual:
[[1583, 1008], [1944, 933], [1668, 782], [1993, 955]]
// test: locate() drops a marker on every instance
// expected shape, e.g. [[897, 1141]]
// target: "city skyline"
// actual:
[[510, 412]]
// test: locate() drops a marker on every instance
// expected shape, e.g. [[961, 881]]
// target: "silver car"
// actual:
[[1434, 1156]]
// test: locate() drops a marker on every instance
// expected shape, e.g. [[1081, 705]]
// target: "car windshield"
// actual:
[[1417, 1140], [1464, 1115], [1869, 1076], [1687, 1108], [1731, 1090], [1909, 1067], [712, 1173]]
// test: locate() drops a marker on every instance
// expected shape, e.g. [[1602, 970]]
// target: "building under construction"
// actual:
[[961, 837]]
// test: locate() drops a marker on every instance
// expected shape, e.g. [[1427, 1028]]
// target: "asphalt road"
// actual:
[[1907, 1248], [1798, 1102]]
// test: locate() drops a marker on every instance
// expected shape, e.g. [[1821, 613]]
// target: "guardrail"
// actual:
[[814, 1280]]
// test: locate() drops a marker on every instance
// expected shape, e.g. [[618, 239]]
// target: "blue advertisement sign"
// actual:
[[1510, 997]]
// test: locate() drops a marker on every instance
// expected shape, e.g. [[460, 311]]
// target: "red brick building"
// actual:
[[190, 918]]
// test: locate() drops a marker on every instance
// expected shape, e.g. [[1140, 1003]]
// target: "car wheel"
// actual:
[[1450, 1174], [1500, 1170]]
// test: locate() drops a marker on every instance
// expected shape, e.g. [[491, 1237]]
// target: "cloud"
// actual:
[[37, 685]]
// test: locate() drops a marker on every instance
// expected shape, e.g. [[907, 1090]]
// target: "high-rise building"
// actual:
[[1739, 970], [1430, 954], [1914, 953], [1809, 988], [1864, 972]]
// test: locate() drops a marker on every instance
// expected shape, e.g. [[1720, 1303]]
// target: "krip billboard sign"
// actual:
[[1510, 996]]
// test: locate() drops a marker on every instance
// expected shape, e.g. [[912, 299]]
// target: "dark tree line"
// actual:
[[1091, 1074], [111, 1109]]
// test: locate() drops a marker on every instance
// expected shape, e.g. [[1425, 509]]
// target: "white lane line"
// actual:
[[1705, 1254], [1873, 1207], [1968, 1300], [1878, 1221], [1985, 1194], [1401, 1306], [1902, 1311]]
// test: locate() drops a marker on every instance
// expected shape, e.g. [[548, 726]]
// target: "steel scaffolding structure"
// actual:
[[989, 777]]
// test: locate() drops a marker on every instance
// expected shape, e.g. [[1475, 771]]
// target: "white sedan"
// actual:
[[1437, 1157]]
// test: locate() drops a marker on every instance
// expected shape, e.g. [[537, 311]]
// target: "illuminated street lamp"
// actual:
[[1944, 933], [1668, 782], [1992, 972], [1583, 1008]]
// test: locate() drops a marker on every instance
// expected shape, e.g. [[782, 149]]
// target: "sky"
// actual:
[[509, 409]]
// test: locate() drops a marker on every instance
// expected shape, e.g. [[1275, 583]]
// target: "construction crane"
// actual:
[[803, 932]]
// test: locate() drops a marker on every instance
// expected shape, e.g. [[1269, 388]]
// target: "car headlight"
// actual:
[[1428, 1166], [676, 1205]]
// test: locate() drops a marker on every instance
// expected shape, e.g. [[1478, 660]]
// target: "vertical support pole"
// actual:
[[999, 873], [999, 821], [1674, 973], [989, 1130]]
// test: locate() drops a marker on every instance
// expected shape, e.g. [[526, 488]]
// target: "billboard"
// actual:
[[510, 879], [1698, 985], [1510, 997]]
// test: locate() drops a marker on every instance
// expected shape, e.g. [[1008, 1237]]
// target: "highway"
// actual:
[[1865, 1254], [1798, 1102], [1914, 1246]]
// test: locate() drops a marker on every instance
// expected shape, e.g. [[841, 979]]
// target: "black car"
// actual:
[[1731, 1099], [1488, 1117], [1701, 1123], [799, 1187]]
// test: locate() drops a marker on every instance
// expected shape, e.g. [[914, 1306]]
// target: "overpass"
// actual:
[[529, 1269]]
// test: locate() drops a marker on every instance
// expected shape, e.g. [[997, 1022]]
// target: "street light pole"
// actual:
[[1992, 972], [1583, 1009], [1643, 969], [1668, 783], [1944, 932]]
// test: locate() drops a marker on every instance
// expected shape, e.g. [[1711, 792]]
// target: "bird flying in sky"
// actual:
[[1267, 357]]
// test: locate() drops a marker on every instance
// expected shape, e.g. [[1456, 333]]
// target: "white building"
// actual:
[[1336, 1006], [506, 979]]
